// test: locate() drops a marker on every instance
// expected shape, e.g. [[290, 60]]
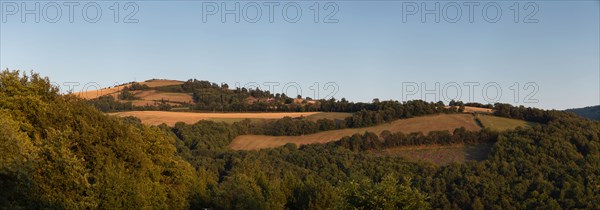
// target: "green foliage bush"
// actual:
[[136, 86], [58, 152], [127, 95]]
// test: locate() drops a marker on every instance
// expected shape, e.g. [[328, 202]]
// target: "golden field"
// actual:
[[423, 124], [170, 118]]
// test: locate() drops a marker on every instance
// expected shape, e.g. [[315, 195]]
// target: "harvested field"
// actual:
[[423, 124], [151, 97], [170, 118], [470, 109], [161, 83], [329, 115], [91, 94], [501, 123]]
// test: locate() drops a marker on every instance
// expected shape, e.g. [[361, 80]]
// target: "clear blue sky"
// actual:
[[369, 53]]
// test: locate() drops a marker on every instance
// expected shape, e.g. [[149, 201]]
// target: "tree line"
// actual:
[[57, 151], [208, 96], [372, 141]]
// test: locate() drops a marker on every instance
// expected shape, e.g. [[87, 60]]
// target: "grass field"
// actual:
[[161, 82], [329, 115], [440, 154], [91, 94], [501, 123], [151, 97], [170, 118], [470, 109], [233, 120], [423, 124]]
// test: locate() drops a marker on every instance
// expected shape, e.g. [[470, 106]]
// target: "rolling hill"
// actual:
[[197, 95], [423, 124], [92, 94], [59, 152], [590, 112], [418, 124]]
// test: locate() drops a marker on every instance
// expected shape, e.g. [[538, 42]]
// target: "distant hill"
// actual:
[[590, 112], [153, 83], [163, 94]]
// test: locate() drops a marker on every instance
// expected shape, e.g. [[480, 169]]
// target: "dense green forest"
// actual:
[[60, 152]]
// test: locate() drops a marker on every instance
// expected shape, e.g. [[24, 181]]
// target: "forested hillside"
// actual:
[[590, 112], [60, 152]]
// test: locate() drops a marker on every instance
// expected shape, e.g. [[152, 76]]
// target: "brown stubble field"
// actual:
[[170, 118], [92, 94], [423, 124]]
